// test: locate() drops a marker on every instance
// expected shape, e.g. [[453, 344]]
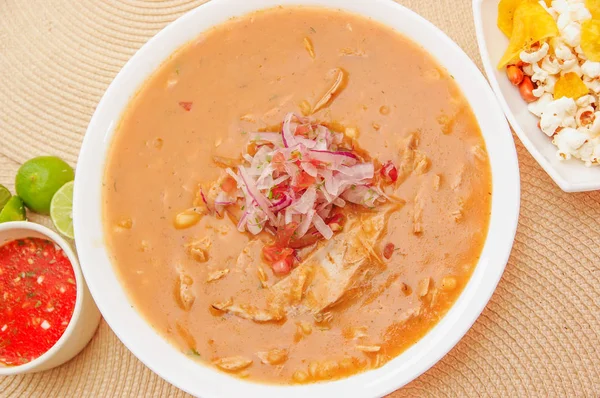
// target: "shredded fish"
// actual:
[[309, 47], [275, 356], [249, 312], [233, 364], [216, 275], [368, 348], [335, 89], [185, 293]]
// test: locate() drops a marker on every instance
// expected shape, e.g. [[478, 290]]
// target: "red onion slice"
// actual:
[[255, 194]]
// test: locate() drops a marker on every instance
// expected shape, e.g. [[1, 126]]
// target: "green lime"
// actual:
[[61, 210], [13, 210], [39, 178], [4, 196]]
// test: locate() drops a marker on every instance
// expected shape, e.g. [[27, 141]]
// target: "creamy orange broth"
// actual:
[[246, 75]]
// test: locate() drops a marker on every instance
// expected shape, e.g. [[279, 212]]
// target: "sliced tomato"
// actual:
[[303, 129], [281, 259], [336, 222], [388, 250], [283, 267], [285, 234], [252, 148], [389, 171], [186, 105], [278, 162], [303, 181], [310, 238], [274, 253], [229, 185]]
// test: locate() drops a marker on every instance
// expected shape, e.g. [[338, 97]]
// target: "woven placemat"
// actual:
[[539, 335]]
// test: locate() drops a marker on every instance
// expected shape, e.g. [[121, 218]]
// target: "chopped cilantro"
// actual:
[[193, 353]]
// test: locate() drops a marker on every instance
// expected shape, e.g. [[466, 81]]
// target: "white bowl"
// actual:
[[571, 175], [85, 318], [200, 380]]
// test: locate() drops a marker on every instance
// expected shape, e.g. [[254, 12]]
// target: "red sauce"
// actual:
[[37, 297]]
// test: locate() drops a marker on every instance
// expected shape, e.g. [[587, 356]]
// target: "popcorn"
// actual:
[[571, 34], [539, 74], [582, 115], [573, 123], [547, 86], [593, 129], [535, 56], [579, 12], [591, 69], [537, 107], [570, 142], [592, 84], [551, 65], [571, 65], [585, 101], [563, 52], [560, 6], [558, 113]]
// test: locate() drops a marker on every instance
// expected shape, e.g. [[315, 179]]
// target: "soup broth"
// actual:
[[204, 284]]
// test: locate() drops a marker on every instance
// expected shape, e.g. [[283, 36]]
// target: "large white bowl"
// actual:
[[571, 175], [203, 381]]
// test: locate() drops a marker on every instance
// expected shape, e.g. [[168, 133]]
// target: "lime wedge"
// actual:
[[13, 210], [4, 196], [61, 210], [39, 178]]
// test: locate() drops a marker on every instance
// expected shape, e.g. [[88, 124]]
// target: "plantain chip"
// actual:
[[506, 13], [594, 7], [531, 24], [570, 85], [590, 39]]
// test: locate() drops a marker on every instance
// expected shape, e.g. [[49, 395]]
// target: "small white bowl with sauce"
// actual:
[[570, 175], [167, 360], [85, 318]]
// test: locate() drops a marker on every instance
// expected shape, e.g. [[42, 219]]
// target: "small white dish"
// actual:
[[176, 367], [85, 318], [571, 175]]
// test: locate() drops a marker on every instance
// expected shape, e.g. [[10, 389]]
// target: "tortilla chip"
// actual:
[[531, 24], [506, 13], [570, 85], [594, 7], [590, 39]]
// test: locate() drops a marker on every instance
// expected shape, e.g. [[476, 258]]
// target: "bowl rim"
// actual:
[[433, 346], [77, 310], [489, 68]]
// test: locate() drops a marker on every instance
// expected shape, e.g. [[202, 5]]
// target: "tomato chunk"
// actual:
[[229, 185], [303, 181], [389, 172], [186, 105]]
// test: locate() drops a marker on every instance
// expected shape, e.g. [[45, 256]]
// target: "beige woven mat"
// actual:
[[539, 335]]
